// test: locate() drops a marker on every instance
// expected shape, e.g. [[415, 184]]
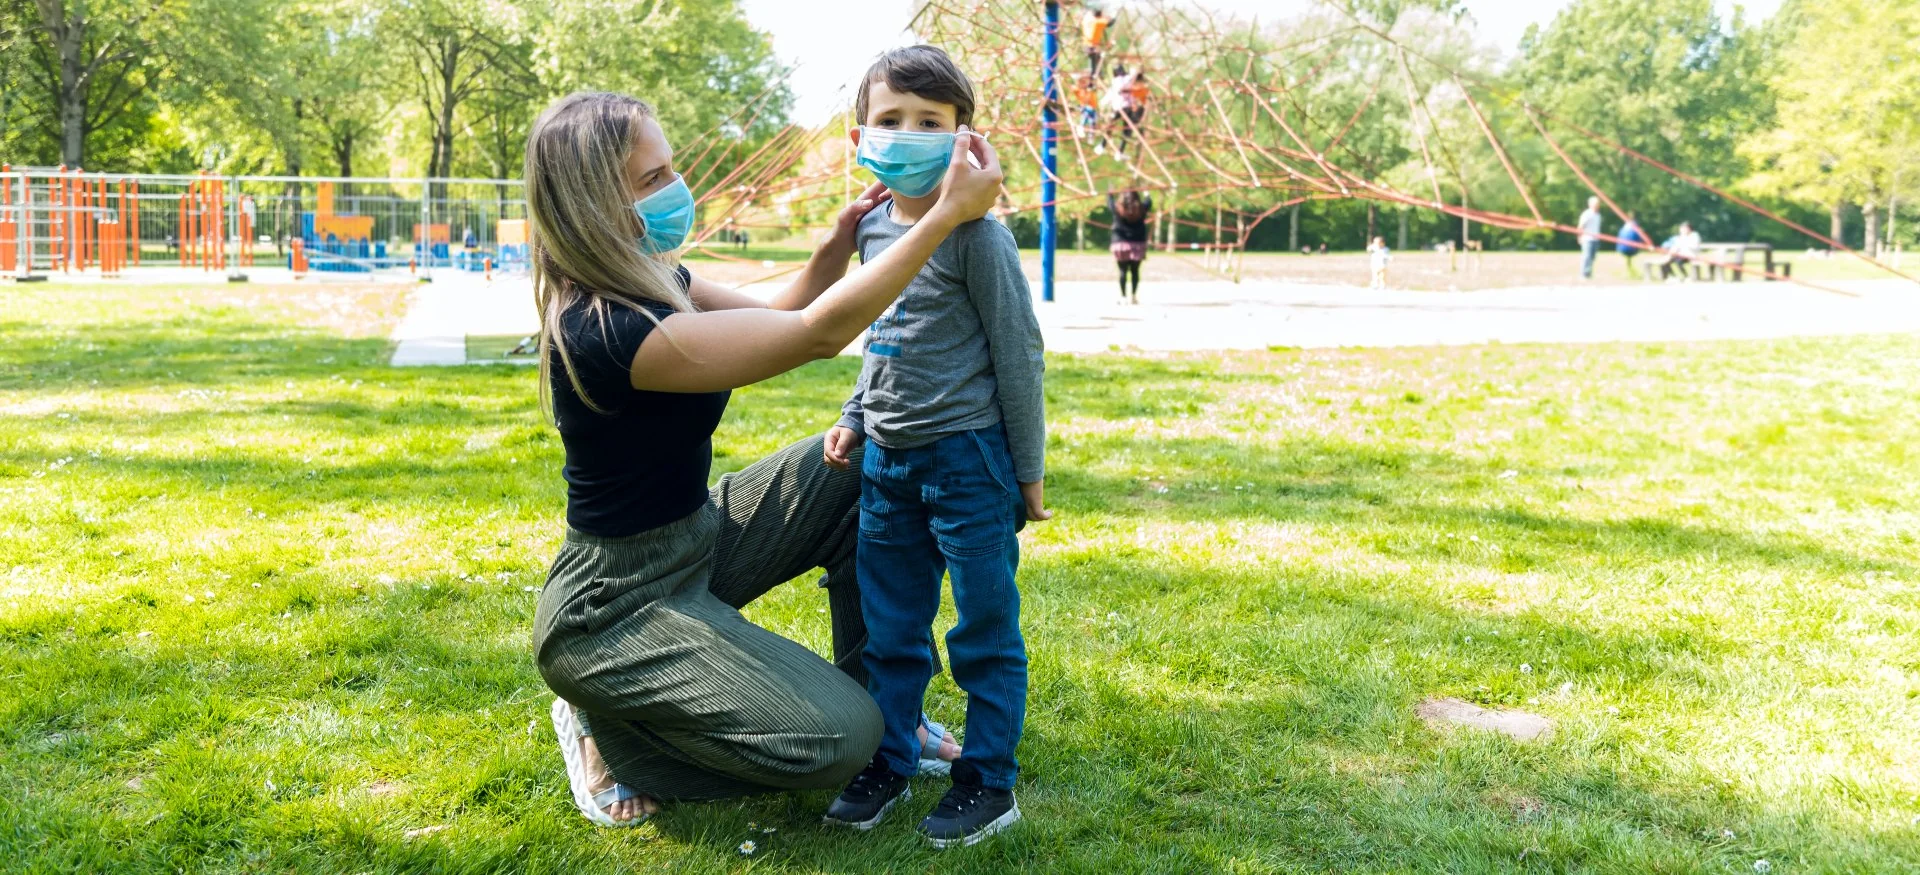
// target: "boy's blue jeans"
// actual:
[[951, 506]]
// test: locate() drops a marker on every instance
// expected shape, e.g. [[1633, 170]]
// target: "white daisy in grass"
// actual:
[[747, 848]]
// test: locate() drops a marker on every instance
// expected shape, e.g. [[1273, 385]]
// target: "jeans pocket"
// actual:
[[999, 463], [873, 505]]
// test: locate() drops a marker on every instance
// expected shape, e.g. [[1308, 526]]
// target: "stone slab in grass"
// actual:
[[1518, 725]]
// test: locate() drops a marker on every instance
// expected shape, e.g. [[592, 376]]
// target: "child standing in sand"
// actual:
[[1379, 257]]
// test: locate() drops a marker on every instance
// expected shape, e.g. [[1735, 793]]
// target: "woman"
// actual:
[[664, 688], [1130, 212]]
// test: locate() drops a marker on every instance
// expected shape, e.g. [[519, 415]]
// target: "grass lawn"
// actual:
[[265, 606]]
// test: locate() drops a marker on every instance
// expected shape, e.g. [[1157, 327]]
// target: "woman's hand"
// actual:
[[841, 442], [1034, 496], [849, 221], [968, 192]]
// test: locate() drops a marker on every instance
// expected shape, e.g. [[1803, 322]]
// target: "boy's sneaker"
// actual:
[[970, 811], [867, 799]]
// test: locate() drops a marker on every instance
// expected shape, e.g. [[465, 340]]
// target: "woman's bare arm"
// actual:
[[727, 349], [827, 265]]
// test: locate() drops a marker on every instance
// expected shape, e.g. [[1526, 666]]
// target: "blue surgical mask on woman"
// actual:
[[668, 217], [912, 163]]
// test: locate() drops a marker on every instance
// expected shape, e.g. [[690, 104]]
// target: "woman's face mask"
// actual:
[[912, 163], [668, 217]]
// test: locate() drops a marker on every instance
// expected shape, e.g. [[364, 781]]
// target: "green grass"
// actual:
[[265, 606]]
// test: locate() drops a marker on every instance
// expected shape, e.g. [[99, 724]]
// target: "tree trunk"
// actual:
[[1837, 225], [343, 153], [69, 40], [1403, 230], [1870, 215], [1370, 232]]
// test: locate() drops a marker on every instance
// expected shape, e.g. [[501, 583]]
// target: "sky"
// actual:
[[832, 41]]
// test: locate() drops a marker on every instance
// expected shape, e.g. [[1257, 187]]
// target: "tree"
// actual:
[[1849, 109], [451, 48], [695, 61], [94, 62], [344, 93], [1669, 78]]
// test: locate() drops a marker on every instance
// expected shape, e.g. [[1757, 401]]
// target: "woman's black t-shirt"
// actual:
[[644, 462], [1127, 230]]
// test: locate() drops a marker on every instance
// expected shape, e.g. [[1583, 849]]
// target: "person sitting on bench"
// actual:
[[1682, 249]]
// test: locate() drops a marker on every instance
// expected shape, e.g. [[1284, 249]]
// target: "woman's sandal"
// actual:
[[592, 805], [930, 762]]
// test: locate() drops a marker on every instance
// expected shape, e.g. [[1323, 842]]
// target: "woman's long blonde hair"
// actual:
[[582, 233]]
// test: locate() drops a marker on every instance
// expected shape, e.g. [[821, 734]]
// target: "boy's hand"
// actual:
[[841, 442], [1034, 495]]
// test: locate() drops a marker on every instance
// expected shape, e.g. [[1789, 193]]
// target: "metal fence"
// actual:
[[54, 220]]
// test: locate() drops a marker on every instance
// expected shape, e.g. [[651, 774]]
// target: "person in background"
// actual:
[[1589, 237], [1682, 248], [1115, 103], [469, 240], [1130, 211], [1378, 258], [1127, 100], [1086, 95], [1632, 240], [1093, 26], [1137, 94]]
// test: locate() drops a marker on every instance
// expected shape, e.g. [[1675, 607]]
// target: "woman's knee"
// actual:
[[842, 745]]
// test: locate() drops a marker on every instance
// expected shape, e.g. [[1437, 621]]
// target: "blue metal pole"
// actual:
[[1049, 139]]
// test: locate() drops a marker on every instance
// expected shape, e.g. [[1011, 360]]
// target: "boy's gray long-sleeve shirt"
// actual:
[[959, 350]]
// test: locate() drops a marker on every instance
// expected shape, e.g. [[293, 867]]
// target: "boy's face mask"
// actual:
[[668, 217], [912, 163]]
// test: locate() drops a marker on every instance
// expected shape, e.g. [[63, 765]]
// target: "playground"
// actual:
[[1491, 568]]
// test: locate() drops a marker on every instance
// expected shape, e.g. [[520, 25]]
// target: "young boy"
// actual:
[[1380, 258], [949, 398]]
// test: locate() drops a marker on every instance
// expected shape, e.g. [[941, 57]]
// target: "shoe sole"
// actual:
[[997, 825], [870, 823]]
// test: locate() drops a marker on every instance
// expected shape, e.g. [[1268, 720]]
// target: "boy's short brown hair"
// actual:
[[922, 71]]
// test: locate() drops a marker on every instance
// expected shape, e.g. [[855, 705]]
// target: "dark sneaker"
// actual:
[[969, 812], [867, 799]]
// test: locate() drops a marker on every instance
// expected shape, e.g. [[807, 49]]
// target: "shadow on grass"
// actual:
[[1186, 719], [1401, 497]]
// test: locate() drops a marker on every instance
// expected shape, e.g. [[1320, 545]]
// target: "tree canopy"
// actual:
[[368, 87]]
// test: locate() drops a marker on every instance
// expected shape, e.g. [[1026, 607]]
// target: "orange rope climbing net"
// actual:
[[1243, 119]]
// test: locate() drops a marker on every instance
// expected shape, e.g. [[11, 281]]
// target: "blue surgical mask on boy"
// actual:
[[668, 216], [912, 163]]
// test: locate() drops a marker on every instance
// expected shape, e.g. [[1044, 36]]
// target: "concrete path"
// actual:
[[1086, 317], [456, 304]]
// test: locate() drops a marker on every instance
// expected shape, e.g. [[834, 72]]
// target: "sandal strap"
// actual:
[[616, 793], [930, 749]]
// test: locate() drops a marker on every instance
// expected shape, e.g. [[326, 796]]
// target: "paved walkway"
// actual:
[[1219, 315]]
